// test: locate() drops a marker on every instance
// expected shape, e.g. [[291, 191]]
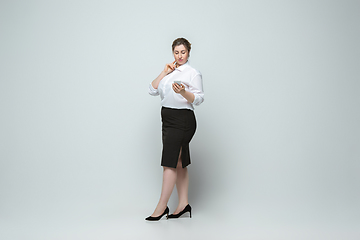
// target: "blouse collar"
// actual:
[[182, 67]]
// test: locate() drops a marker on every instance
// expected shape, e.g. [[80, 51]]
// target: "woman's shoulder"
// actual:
[[193, 70]]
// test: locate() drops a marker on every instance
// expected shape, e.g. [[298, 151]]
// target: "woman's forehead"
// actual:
[[180, 47]]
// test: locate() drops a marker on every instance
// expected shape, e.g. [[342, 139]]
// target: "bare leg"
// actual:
[[182, 186], [169, 179]]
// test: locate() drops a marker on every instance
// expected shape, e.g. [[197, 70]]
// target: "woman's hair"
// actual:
[[181, 41]]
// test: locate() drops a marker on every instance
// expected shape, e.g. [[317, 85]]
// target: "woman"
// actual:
[[180, 87]]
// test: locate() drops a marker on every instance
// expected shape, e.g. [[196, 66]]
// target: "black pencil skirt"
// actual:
[[178, 128]]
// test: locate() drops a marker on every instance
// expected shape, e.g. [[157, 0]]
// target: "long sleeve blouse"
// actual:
[[190, 78]]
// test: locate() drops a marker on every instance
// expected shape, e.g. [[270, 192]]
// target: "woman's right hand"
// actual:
[[169, 67]]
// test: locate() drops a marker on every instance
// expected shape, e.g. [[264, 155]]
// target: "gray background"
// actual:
[[276, 154]]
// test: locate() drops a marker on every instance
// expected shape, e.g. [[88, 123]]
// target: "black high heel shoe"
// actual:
[[186, 209], [150, 218]]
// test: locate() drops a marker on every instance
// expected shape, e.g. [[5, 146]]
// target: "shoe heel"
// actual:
[[185, 210]]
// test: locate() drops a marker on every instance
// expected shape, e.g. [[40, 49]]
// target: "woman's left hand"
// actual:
[[178, 88]]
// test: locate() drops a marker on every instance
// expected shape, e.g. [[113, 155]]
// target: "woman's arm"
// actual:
[[169, 67], [195, 93], [186, 94], [157, 80], [196, 87]]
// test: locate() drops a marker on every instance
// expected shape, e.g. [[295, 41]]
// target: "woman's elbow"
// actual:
[[198, 100]]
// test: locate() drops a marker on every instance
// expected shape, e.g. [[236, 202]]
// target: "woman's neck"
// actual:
[[178, 65]]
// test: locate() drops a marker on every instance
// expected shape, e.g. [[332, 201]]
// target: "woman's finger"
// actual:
[[175, 88], [172, 67]]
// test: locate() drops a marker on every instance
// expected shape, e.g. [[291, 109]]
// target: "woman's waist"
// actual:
[[177, 114], [175, 109]]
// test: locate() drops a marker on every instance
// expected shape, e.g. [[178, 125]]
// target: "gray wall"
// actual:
[[278, 134]]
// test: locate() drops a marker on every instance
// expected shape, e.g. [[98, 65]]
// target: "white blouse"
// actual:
[[190, 78]]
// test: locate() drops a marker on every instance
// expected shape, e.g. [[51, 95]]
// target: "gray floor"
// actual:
[[203, 225]]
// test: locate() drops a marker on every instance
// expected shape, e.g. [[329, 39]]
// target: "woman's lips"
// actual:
[[180, 60]]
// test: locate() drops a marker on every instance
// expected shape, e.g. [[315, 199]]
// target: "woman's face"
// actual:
[[181, 54]]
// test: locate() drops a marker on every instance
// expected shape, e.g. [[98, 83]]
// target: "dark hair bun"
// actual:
[[181, 41]]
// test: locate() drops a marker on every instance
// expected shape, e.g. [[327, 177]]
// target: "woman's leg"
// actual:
[[182, 186], [169, 179]]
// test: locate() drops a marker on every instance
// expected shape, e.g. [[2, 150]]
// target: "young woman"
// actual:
[[180, 88]]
